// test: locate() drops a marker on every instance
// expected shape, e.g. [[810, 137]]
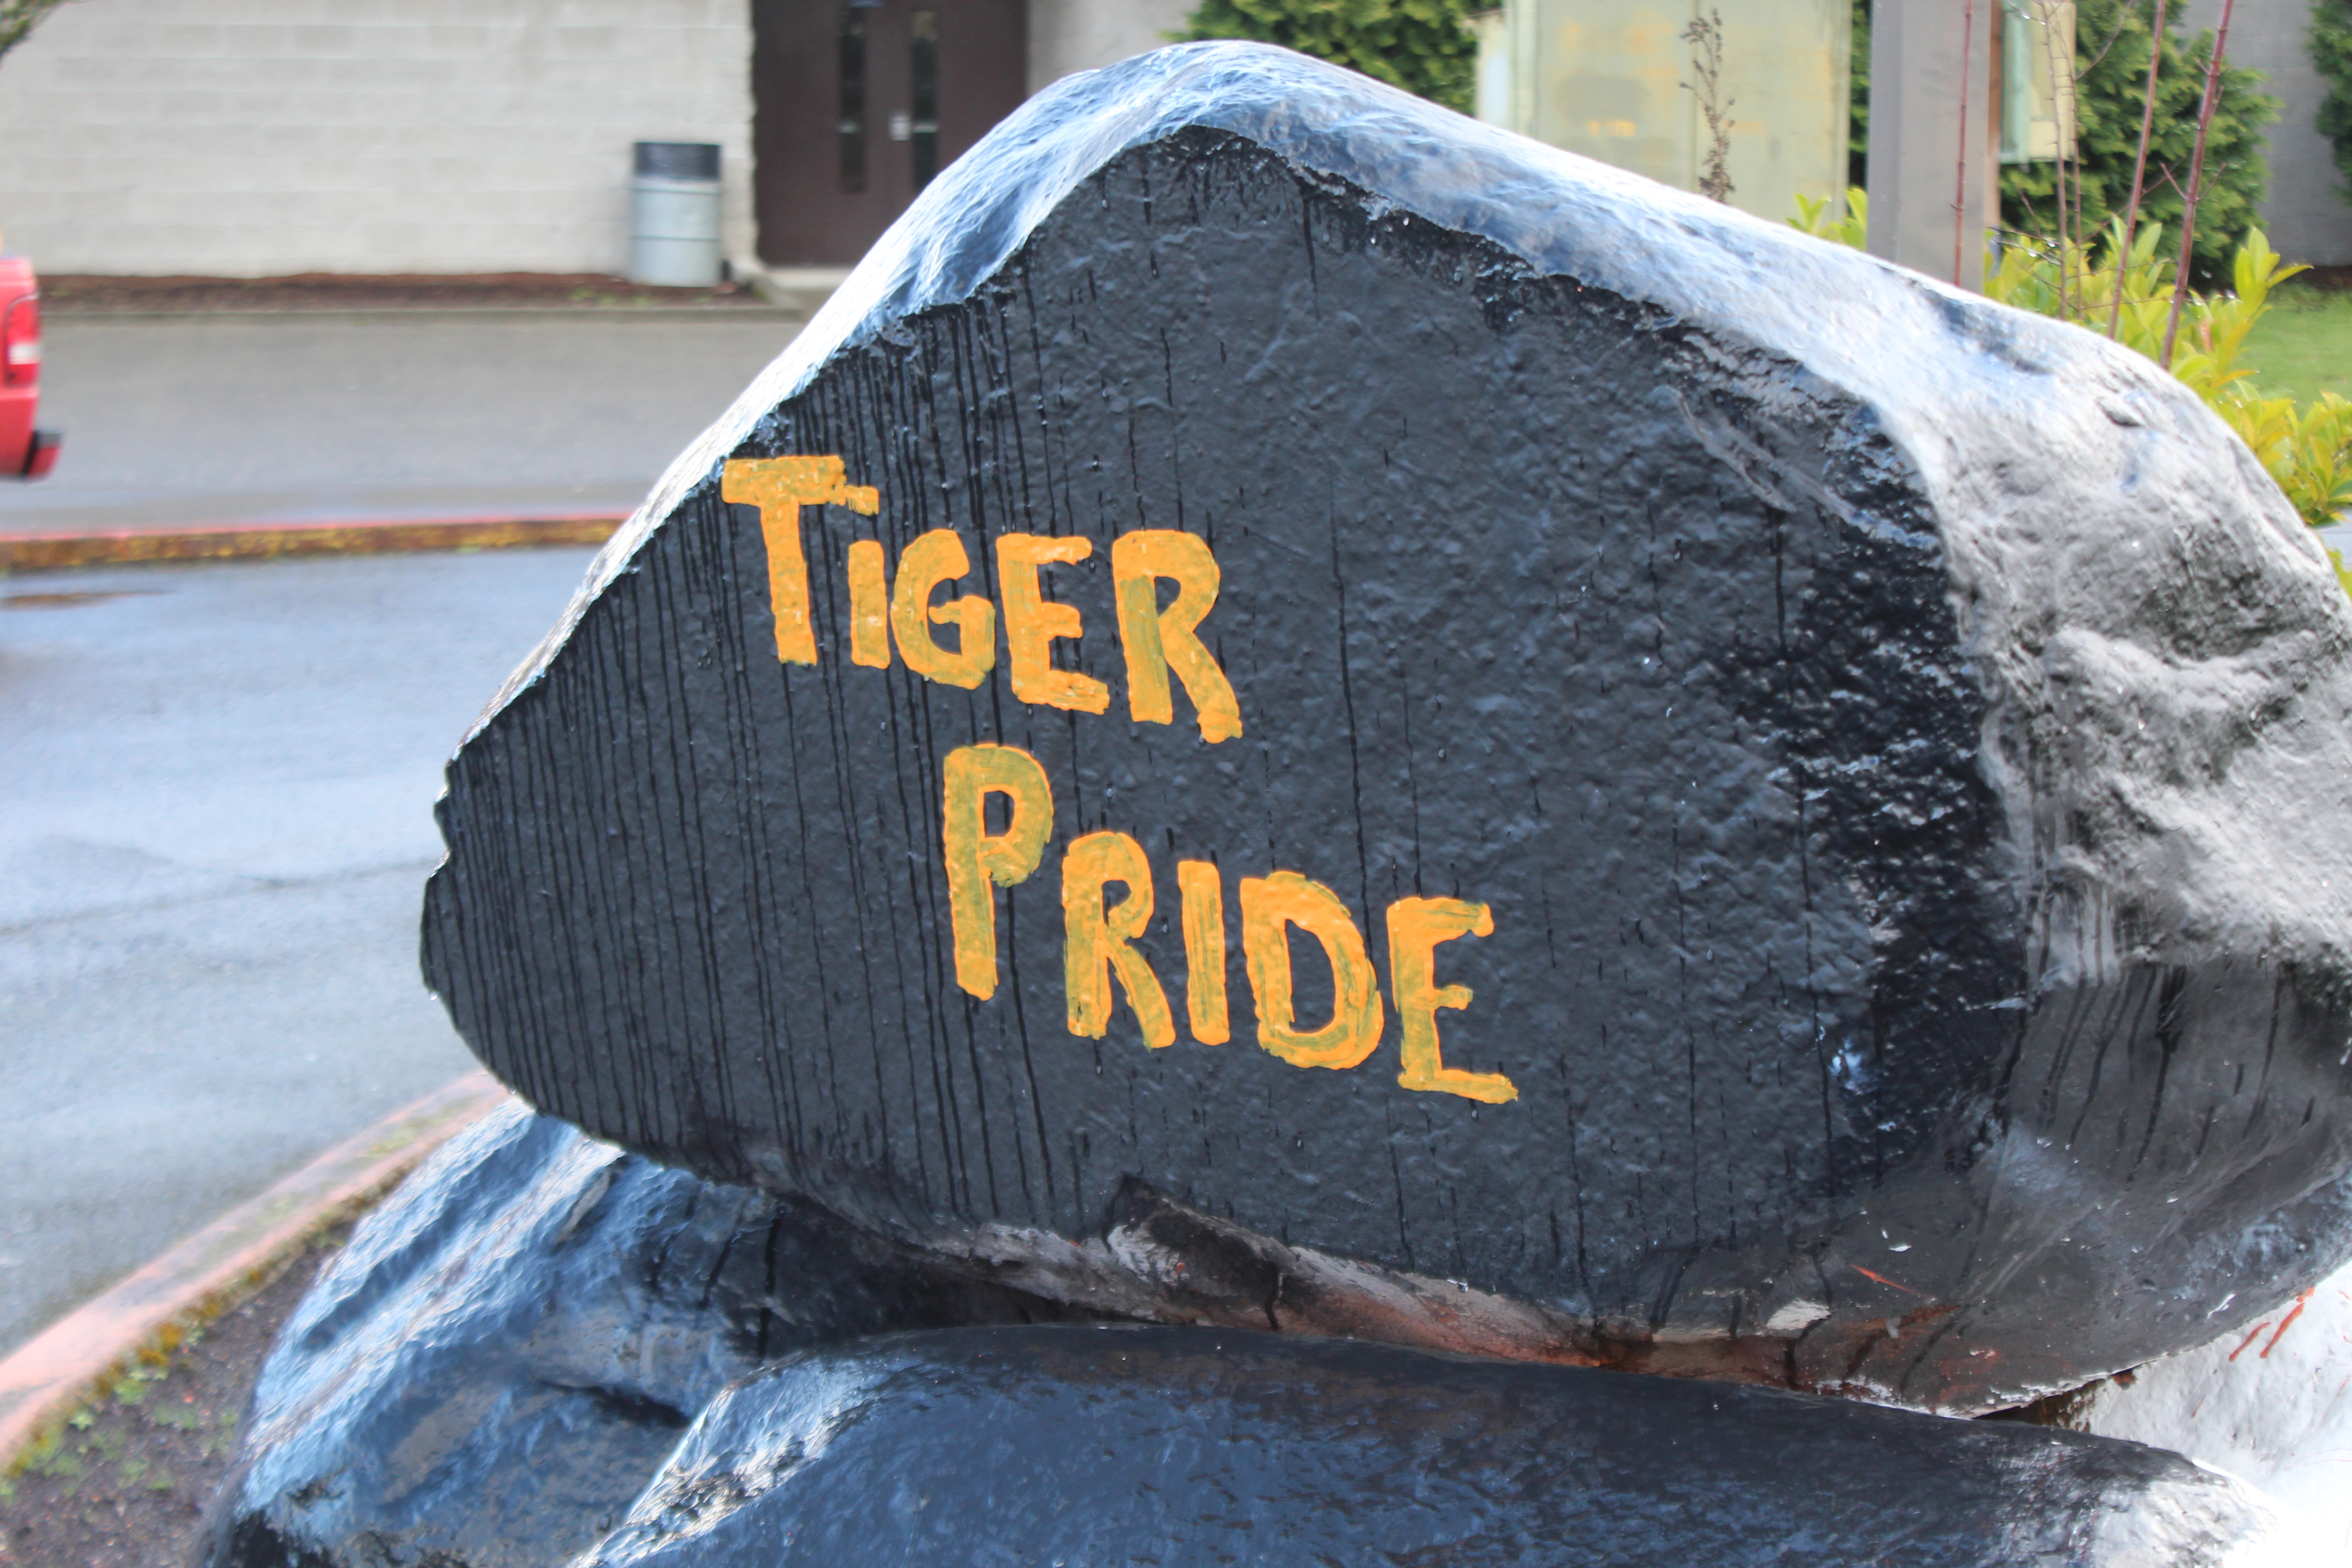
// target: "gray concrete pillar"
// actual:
[[1927, 57]]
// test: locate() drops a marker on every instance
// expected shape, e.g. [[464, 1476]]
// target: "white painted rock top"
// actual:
[[2270, 1403]]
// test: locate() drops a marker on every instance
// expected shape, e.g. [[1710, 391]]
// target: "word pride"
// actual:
[[889, 612]]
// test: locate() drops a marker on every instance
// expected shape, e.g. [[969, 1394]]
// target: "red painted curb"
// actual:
[[260, 541], [149, 1313]]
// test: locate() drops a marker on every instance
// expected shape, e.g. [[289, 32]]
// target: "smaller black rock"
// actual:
[[502, 1356], [1103, 1445]]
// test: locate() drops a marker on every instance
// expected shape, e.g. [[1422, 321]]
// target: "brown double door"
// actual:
[[856, 106]]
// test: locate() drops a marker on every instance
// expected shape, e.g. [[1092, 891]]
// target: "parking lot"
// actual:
[[218, 779]]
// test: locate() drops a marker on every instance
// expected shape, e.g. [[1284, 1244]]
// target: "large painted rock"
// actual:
[[1292, 711], [1177, 1447], [508, 1350]]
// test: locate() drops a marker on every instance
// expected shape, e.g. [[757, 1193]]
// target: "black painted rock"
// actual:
[[509, 1347], [1173, 1446], [1292, 711]]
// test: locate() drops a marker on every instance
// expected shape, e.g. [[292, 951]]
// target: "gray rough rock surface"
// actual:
[[511, 1345], [1905, 747], [1179, 1447]]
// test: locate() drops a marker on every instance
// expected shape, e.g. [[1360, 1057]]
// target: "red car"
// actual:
[[25, 453]]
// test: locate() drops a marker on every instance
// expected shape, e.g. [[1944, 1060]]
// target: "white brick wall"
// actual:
[[253, 137]]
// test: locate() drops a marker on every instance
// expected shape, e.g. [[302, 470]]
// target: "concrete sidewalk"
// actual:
[[415, 415]]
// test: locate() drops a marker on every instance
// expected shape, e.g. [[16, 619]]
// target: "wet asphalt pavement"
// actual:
[[217, 781]]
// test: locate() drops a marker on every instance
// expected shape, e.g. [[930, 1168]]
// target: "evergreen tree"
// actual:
[[1421, 45], [1857, 116], [2331, 52], [2111, 39]]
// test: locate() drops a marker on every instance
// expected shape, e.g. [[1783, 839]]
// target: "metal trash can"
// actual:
[[673, 215]]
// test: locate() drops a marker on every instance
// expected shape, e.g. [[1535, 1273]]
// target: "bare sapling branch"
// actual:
[[2071, 241], [1704, 35], [2140, 166], [2196, 180], [1960, 176]]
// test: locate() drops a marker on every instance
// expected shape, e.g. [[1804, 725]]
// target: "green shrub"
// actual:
[[1421, 45], [1817, 217]]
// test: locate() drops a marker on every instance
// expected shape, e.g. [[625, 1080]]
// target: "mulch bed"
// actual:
[[85, 294], [127, 1483]]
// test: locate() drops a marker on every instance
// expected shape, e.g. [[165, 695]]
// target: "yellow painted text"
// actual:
[[1101, 963], [932, 559], [1415, 928], [870, 607], [1204, 951], [1157, 641], [1269, 905], [1032, 622], [1099, 944], [779, 487], [978, 862]]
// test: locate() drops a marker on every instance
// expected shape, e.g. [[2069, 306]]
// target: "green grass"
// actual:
[[2304, 346]]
